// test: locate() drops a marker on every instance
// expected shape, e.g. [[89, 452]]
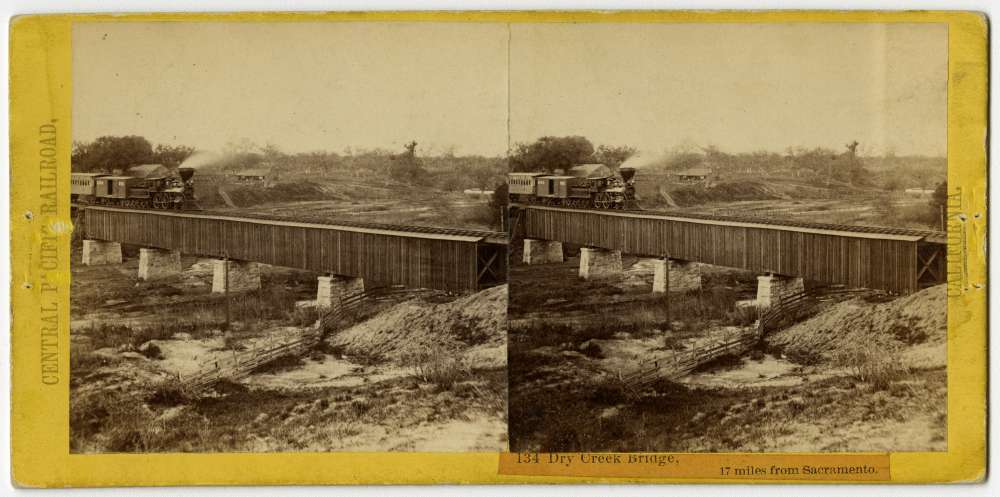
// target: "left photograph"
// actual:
[[288, 237]]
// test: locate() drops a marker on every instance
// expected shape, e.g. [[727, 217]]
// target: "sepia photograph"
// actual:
[[480, 247], [287, 237], [728, 237]]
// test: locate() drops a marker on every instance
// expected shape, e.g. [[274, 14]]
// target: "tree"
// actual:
[[108, 153], [856, 172], [498, 202], [171, 156], [939, 206], [940, 196], [613, 156], [406, 166], [549, 153], [683, 160], [852, 149]]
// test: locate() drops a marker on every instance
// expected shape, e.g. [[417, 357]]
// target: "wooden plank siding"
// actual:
[[867, 261], [415, 261]]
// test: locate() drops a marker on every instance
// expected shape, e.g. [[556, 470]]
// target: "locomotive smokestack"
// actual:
[[627, 173], [185, 172]]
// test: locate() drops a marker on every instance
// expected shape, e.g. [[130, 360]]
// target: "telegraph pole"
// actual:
[[225, 281], [666, 281]]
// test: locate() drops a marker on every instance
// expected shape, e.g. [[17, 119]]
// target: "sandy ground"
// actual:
[[570, 340], [341, 400], [769, 371], [327, 371]]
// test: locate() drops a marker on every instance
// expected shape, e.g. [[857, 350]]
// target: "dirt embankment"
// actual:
[[473, 326], [914, 327]]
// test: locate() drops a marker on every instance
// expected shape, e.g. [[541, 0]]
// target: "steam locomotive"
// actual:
[[160, 189], [586, 185]]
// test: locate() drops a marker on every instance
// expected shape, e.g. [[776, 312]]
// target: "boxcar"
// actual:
[[116, 187], [555, 186]]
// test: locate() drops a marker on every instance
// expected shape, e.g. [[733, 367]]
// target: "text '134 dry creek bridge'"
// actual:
[[896, 260], [457, 260]]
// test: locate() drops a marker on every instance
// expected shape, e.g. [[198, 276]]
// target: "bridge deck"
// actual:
[[857, 256], [413, 256]]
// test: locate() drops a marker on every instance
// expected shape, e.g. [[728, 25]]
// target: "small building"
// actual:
[[478, 193], [694, 175], [255, 175], [145, 171]]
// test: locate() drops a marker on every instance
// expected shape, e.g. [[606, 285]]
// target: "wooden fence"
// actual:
[[242, 363], [789, 310]]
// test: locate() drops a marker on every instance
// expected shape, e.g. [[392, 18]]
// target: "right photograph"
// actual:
[[727, 237]]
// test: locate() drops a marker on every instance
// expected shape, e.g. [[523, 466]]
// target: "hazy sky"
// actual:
[[328, 86], [300, 86]]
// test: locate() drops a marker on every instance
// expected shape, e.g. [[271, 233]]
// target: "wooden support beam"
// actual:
[[927, 265], [487, 267]]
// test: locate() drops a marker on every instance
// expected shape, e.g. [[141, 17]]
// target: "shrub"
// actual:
[[806, 355], [151, 351], [168, 393], [440, 369], [82, 360], [125, 423], [874, 360], [909, 335], [305, 316], [481, 215], [742, 316]]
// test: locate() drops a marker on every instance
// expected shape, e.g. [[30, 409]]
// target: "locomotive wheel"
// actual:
[[602, 200]]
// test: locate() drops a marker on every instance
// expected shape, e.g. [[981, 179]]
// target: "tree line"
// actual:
[[108, 153], [549, 153]]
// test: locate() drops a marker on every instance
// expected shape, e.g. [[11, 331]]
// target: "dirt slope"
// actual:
[[473, 325], [916, 324]]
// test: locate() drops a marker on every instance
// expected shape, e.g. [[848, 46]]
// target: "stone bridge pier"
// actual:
[[772, 289], [158, 263], [98, 252], [332, 289], [599, 263], [242, 275], [675, 275], [542, 251]]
